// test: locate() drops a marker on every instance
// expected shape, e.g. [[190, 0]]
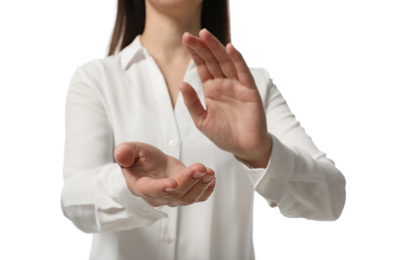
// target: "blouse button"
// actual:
[[173, 143], [167, 238]]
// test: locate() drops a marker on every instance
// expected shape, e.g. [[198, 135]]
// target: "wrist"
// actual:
[[259, 157]]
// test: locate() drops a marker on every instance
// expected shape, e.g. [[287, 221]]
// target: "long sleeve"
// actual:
[[124, 98], [95, 197], [299, 178]]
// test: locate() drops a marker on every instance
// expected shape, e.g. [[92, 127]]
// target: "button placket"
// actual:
[[167, 119], [172, 147], [168, 233]]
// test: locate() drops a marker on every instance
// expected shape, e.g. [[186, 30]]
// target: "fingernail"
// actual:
[[213, 182], [168, 189], [121, 165], [207, 178], [197, 175]]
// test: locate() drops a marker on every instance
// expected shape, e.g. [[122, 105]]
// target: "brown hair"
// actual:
[[130, 21]]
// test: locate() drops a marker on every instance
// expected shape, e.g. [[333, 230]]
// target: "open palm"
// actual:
[[233, 117], [161, 179]]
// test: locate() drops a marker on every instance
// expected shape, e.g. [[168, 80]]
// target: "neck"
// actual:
[[162, 36]]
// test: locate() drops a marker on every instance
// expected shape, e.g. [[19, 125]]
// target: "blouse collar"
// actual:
[[135, 50], [131, 51]]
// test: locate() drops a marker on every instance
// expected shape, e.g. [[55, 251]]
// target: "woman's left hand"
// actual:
[[233, 117]]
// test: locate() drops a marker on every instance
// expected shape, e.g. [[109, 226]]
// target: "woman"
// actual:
[[175, 96]]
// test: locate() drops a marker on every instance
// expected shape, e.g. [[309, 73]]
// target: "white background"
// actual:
[[334, 61]]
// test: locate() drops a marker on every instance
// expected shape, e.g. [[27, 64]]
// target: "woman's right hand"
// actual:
[[161, 179]]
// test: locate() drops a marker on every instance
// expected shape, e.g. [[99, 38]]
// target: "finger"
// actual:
[[243, 72], [196, 45], [193, 104], [125, 154], [207, 193], [219, 51], [188, 178], [201, 67], [197, 191]]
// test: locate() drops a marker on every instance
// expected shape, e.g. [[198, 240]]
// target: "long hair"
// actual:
[[130, 21]]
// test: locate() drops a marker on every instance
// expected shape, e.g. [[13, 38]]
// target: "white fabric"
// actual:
[[124, 98]]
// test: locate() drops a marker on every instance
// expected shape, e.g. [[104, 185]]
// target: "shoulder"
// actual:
[[95, 77], [98, 75], [114, 66], [100, 68], [260, 75]]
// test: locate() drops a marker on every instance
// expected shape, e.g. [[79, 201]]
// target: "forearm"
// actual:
[[302, 186], [299, 178], [100, 202]]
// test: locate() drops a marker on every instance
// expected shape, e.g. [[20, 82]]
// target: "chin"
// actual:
[[174, 3]]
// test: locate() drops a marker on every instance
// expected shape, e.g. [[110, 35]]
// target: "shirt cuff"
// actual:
[[120, 209], [271, 182]]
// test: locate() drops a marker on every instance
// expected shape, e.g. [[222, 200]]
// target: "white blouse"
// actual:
[[124, 98]]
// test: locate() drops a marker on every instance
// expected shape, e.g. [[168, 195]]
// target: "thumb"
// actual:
[[125, 154]]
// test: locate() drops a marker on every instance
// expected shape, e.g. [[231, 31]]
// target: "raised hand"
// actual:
[[233, 117], [161, 179]]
